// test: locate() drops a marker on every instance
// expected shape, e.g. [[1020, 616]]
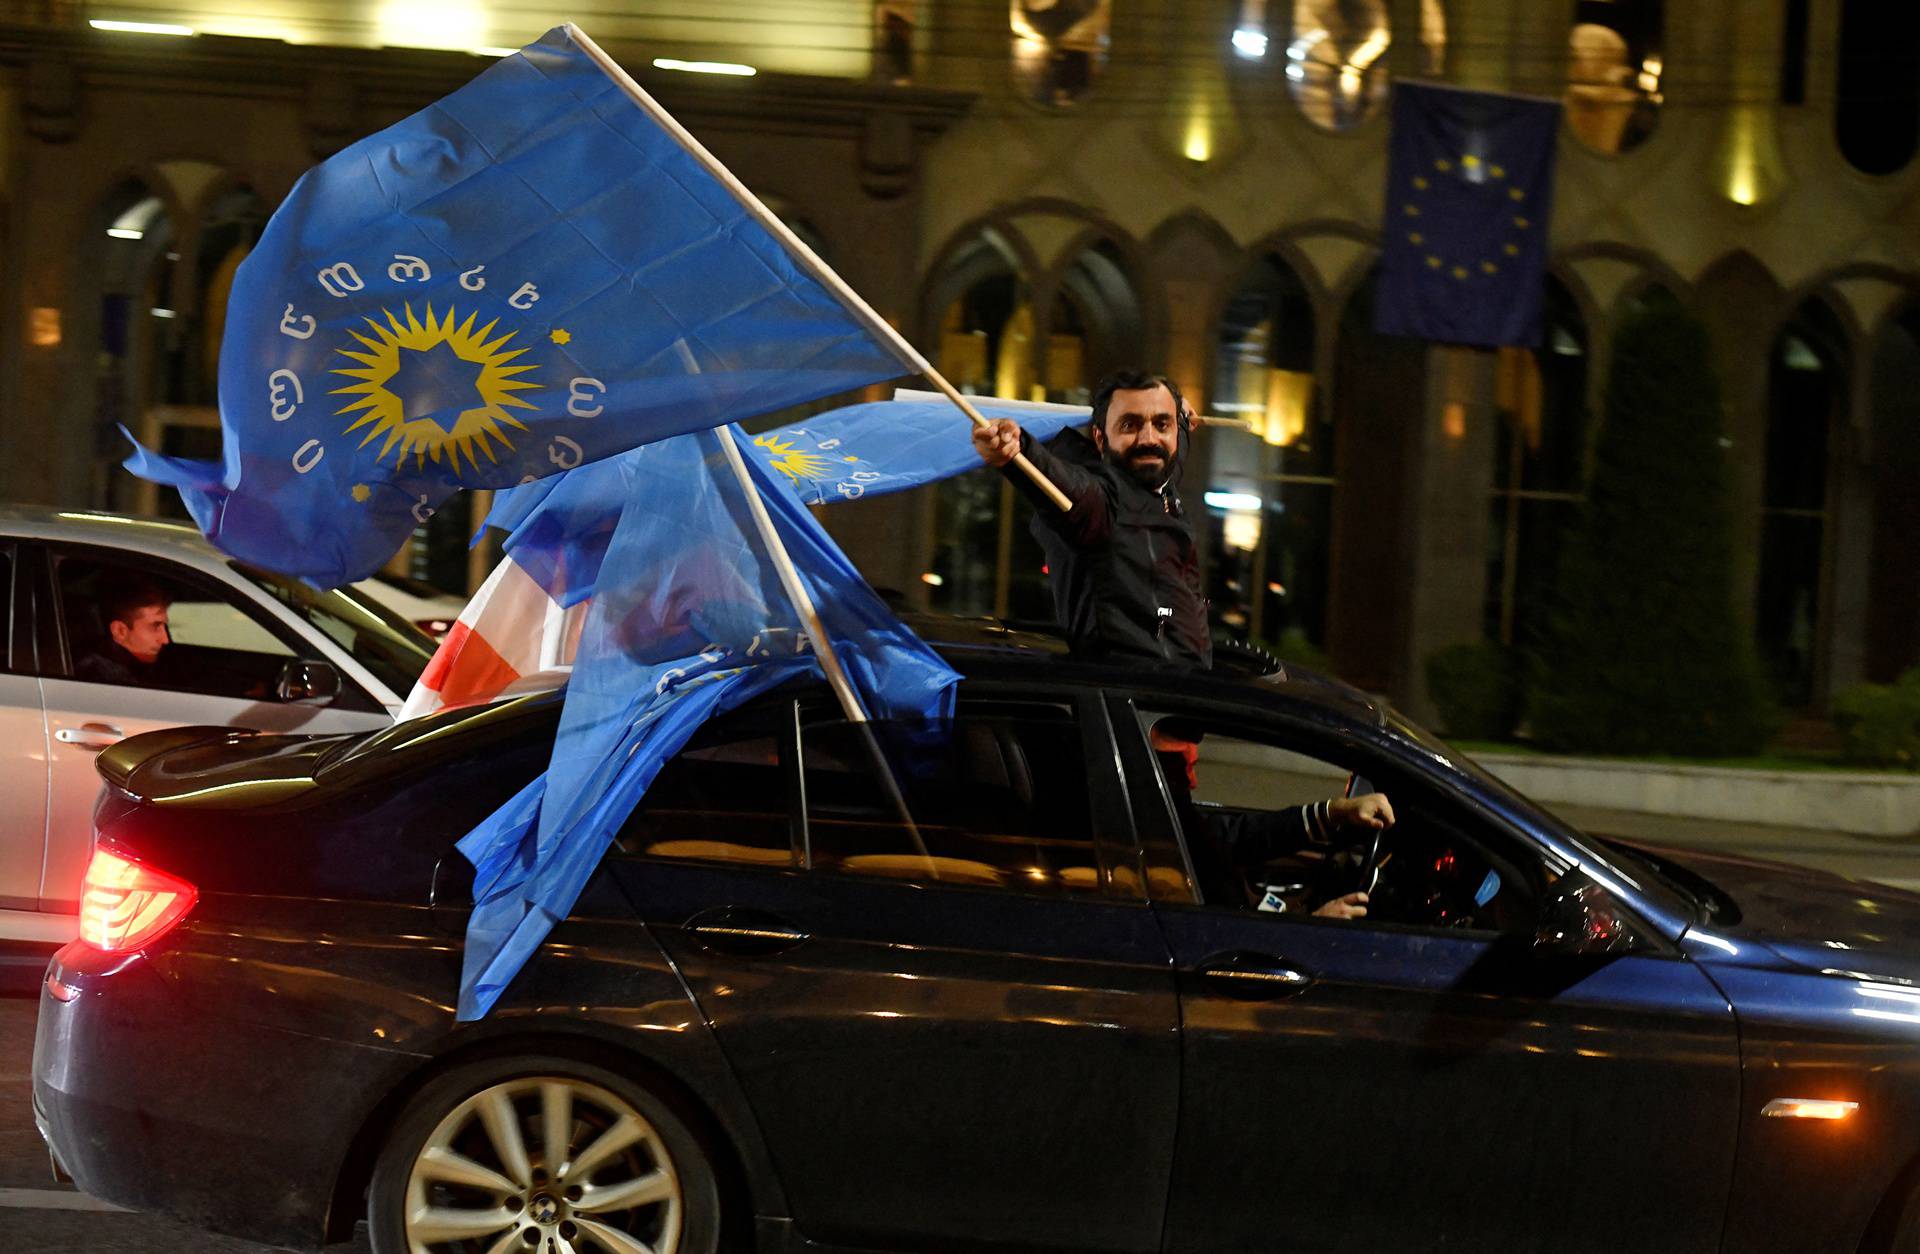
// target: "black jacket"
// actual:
[[108, 663], [1125, 576]]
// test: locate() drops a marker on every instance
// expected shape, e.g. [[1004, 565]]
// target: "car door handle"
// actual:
[[730, 929], [1253, 977], [91, 736]]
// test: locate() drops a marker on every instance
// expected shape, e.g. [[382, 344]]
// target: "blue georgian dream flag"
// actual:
[[558, 529], [529, 275], [1469, 198], [689, 620]]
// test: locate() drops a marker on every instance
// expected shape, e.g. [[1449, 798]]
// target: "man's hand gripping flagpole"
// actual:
[[882, 329]]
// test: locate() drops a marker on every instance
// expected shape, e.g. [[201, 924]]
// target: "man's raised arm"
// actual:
[[1089, 522]]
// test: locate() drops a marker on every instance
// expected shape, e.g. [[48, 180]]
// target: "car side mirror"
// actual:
[[307, 683], [1581, 917]]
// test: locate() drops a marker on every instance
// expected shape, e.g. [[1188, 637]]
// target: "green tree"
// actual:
[[1645, 650]]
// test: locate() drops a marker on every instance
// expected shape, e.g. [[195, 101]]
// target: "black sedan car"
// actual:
[[1074, 995]]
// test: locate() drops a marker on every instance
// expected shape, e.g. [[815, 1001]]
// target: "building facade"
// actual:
[[1042, 190]]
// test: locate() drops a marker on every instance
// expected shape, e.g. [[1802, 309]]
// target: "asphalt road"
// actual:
[[38, 1214]]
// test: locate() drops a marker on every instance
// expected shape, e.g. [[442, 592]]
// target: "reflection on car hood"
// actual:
[[1812, 918]]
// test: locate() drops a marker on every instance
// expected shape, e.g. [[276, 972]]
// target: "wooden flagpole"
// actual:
[[907, 353]]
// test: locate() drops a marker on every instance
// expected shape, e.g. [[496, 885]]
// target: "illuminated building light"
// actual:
[[1199, 145], [932, 580], [704, 67], [121, 232], [140, 28], [162, 313], [1808, 1108], [43, 327], [1232, 500], [1251, 44], [421, 24]]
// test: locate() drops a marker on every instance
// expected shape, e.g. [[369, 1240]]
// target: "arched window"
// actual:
[[1059, 48], [1539, 468], [136, 260], [1807, 383], [1893, 594], [893, 36], [1614, 71], [985, 347], [1336, 60], [1877, 117], [1269, 492], [985, 560]]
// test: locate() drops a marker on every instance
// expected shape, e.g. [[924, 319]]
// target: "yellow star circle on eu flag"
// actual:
[[560, 335], [1451, 179]]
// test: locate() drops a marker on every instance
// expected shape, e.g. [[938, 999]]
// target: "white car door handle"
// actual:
[[90, 736]]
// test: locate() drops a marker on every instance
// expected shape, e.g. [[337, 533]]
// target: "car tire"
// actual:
[[466, 1166]]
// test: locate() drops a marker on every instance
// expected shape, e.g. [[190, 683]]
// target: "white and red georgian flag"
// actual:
[[511, 638]]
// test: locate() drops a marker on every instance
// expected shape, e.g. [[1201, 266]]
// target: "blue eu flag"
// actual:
[[689, 619], [529, 275], [1469, 197]]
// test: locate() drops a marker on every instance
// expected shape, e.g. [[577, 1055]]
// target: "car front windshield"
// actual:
[[1641, 872], [393, 650]]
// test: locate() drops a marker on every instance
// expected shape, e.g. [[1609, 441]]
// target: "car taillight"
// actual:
[[126, 905]]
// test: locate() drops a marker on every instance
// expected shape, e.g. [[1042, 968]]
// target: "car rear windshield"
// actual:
[[392, 649]]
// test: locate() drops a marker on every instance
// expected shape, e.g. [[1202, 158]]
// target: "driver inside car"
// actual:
[[1232, 847]]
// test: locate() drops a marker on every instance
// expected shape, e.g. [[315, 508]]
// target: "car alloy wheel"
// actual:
[[541, 1159]]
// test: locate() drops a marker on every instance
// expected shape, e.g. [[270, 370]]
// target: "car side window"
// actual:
[[1271, 827], [995, 799], [723, 798], [7, 599], [151, 626]]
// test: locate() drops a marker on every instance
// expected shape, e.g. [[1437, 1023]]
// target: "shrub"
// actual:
[[1645, 651], [1477, 689], [1881, 722]]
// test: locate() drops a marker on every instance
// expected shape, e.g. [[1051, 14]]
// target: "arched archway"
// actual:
[[1615, 66], [131, 329], [1808, 382], [1876, 116], [1269, 491], [1539, 469], [1893, 594], [981, 306]]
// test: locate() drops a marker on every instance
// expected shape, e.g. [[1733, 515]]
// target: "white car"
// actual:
[[248, 649], [415, 600]]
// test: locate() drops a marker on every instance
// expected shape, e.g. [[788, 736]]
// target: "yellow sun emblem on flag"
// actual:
[[455, 416], [793, 461]]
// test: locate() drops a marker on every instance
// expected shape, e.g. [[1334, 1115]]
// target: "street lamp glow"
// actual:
[[704, 67], [1251, 44], [1232, 500], [140, 28], [121, 232]]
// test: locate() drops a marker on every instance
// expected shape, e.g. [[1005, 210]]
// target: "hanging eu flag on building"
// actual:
[[536, 272], [1469, 195]]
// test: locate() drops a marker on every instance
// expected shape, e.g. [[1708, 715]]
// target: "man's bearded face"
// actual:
[[1141, 434]]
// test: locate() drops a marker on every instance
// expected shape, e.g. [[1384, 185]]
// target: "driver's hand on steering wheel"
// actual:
[[1368, 810], [1350, 906]]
